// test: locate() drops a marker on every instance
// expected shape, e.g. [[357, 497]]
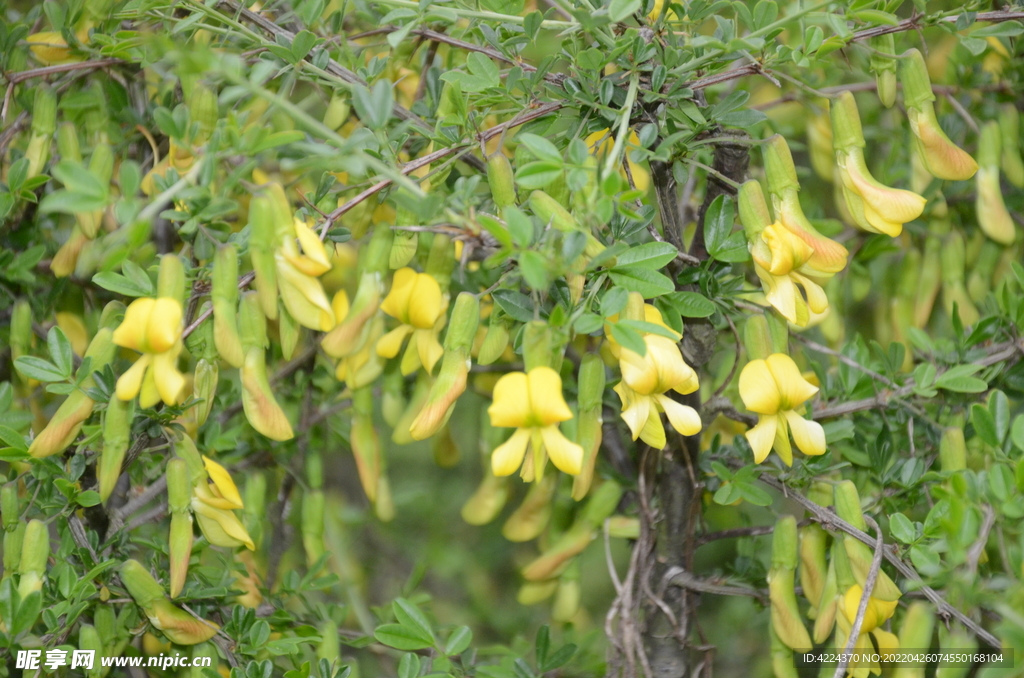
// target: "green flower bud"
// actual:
[[778, 165], [499, 177], [67, 142], [205, 388], [1009, 127], [289, 332], [171, 279], [179, 501], [495, 341], [441, 261], [44, 110], [10, 505], [486, 503], [337, 110], [252, 323], [224, 294], [757, 338], [884, 68], [35, 550], [532, 516], [952, 449], [89, 639], [753, 209], [537, 343], [917, 85], [993, 217], [403, 248], [602, 503], [557, 557], [117, 424], [313, 526]]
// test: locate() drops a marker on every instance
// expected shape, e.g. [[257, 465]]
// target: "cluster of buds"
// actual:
[[179, 626]]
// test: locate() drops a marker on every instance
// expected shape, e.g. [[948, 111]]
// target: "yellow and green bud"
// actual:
[[365, 443], [10, 505], [993, 217], [847, 503], [89, 639], [915, 632], [337, 110], [13, 542], [451, 380], [500, 179], [67, 421], [117, 425], [224, 294], [531, 517], [954, 291], [952, 449], [313, 526], [785, 615], [44, 123], [883, 65], [179, 502], [262, 244], [486, 503], [1010, 159], [179, 626], [351, 333], [589, 420], [258, 402], [35, 550], [941, 157], [813, 563], [204, 386], [495, 341]]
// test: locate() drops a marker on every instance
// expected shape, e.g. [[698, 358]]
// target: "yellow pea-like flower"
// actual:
[[417, 302], [774, 389], [153, 328], [533, 404]]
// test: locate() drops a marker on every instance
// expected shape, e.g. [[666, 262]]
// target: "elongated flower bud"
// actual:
[[171, 278], [785, 614], [757, 338], [813, 565], [117, 424], [874, 207], [179, 501], [179, 626], [67, 421], [979, 282], [1009, 127], [330, 647], [313, 526], [954, 291], [929, 280], [532, 516], [13, 542], [589, 420], [941, 157], [499, 177], [993, 217], [495, 341], [338, 110], [10, 505], [451, 380], [486, 503], [884, 67], [915, 632], [224, 294], [262, 243], [825, 615], [550, 211], [847, 502], [556, 559], [44, 123], [366, 443], [35, 550], [952, 449], [89, 639]]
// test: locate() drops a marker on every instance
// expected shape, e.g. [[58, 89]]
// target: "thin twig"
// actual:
[[865, 598], [846, 360], [21, 76], [978, 547], [677, 576]]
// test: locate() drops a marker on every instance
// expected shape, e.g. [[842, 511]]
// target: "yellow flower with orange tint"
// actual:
[[214, 504], [774, 389], [533, 404], [153, 328], [417, 302]]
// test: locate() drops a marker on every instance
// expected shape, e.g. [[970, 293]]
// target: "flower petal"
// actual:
[[639, 373], [164, 327], [547, 404], [758, 389], [396, 304], [762, 436], [793, 389], [426, 302], [782, 446], [891, 204], [653, 432], [682, 417], [780, 292], [131, 333], [169, 381], [808, 435], [511, 406], [391, 343], [566, 455], [788, 250], [635, 409], [508, 457], [816, 297], [429, 348], [223, 482]]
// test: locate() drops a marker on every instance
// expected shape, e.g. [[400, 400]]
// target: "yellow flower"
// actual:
[[651, 315], [153, 328], [828, 257], [874, 206], [603, 141], [297, 272], [50, 48], [779, 259], [214, 504], [417, 302], [774, 389], [877, 613], [645, 380], [533, 404]]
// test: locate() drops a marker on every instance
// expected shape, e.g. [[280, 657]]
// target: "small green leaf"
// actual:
[[984, 424], [629, 339], [88, 498], [402, 637], [652, 255], [458, 641], [60, 350], [515, 304], [902, 529], [37, 368], [692, 304], [619, 10], [647, 283]]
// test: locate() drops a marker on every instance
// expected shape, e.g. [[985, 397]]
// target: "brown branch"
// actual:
[[914, 23], [414, 165], [831, 521], [978, 547], [736, 532], [21, 76], [676, 576], [865, 597], [243, 282]]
